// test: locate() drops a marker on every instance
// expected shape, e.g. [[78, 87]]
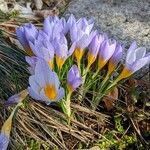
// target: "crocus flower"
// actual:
[[74, 79], [27, 33], [94, 48], [17, 98], [43, 48], [114, 60], [136, 58], [62, 52], [53, 27], [81, 34], [105, 53], [70, 22], [67, 25], [44, 84]]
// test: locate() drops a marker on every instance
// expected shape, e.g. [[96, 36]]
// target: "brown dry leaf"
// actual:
[[38, 4], [110, 98], [44, 13], [132, 82], [135, 83], [16, 42]]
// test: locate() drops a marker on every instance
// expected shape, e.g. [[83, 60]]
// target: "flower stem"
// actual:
[[79, 67], [68, 107], [81, 92], [95, 74]]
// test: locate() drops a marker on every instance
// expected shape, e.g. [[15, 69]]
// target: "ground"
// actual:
[[118, 123]]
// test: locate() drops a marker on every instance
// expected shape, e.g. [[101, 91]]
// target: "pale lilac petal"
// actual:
[[117, 54], [64, 24], [43, 76], [34, 84], [34, 48], [74, 33], [76, 83], [107, 49], [73, 78], [81, 23], [131, 56], [33, 94], [140, 52], [71, 50], [42, 72], [31, 70], [71, 21], [95, 44], [31, 60], [137, 65], [31, 32], [43, 49], [61, 94], [89, 28], [91, 21], [47, 27], [17, 98], [135, 54], [21, 37], [4, 141], [54, 80], [133, 46], [85, 40], [12, 100], [73, 73]]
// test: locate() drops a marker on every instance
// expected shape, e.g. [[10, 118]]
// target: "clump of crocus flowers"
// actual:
[[66, 56]]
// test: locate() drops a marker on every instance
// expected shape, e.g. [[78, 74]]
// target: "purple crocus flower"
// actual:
[[63, 25], [26, 34], [43, 48], [74, 79], [81, 34], [62, 52], [136, 59], [114, 60], [17, 98], [70, 22], [44, 84], [94, 48], [53, 27], [105, 53]]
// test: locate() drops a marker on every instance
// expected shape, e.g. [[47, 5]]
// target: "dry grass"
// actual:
[[48, 126]]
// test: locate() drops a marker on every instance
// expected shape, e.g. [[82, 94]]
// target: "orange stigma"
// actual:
[[50, 91]]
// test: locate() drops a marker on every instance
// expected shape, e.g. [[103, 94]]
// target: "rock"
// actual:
[[123, 20]]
